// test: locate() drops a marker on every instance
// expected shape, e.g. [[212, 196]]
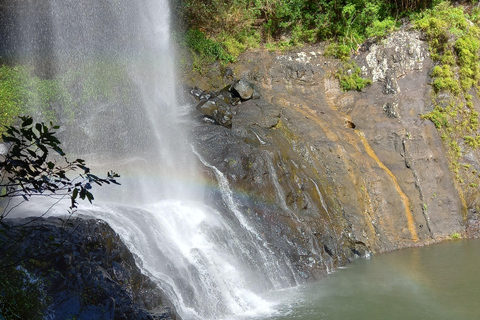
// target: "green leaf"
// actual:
[[74, 194], [27, 121], [89, 196]]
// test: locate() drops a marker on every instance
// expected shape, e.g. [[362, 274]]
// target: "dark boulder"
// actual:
[[86, 270], [218, 105], [218, 110]]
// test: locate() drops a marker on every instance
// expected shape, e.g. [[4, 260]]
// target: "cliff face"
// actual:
[[329, 175]]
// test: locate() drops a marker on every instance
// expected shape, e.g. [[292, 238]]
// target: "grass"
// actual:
[[65, 96], [455, 236]]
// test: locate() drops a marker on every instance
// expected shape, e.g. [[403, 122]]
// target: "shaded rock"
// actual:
[[218, 110], [472, 229], [86, 269]]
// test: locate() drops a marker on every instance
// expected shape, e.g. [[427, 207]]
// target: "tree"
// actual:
[[35, 165]]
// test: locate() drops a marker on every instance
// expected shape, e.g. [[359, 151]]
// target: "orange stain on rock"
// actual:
[[403, 196]]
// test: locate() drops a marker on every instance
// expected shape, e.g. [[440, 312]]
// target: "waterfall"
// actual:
[[210, 264]]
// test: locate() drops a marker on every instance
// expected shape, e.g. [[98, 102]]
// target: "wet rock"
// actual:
[[218, 105], [86, 269], [244, 89], [255, 113], [348, 173], [472, 229], [218, 110]]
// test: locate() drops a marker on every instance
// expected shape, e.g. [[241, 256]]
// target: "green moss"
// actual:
[[444, 79], [455, 235], [21, 295], [438, 117]]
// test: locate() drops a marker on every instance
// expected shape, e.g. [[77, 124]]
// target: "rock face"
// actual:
[[217, 106], [86, 269], [330, 175]]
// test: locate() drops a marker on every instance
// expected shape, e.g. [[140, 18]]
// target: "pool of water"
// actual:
[[436, 282]]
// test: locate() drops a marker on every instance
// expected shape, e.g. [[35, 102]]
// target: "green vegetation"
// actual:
[[455, 236], [66, 95], [23, 93], [208, 48], [27, 169], [339, 51], [22, 296], [222, 29], [350, 77], [453, 35]]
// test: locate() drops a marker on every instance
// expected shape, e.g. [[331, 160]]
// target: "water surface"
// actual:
[[436, 282]]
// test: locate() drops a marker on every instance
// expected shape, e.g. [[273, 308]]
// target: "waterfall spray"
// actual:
[[209, 264]]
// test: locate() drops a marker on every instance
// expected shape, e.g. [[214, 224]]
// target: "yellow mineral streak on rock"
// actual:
[[312, 114], [403, 196], [361, 194]]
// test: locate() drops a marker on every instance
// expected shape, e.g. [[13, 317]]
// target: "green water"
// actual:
[[436, 282]]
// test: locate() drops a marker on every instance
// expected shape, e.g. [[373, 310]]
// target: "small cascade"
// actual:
[[280, 274], [197, 257]]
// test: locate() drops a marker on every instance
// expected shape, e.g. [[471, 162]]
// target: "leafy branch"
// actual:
[[35, 165]]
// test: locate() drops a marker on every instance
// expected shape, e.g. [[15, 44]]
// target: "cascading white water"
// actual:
[[210, 264]]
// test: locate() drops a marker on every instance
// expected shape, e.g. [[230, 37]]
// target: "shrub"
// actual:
[[438, 117], [207, 48], [350, 77], [339, 51], [23, 93], [21, 295], [381, 28], [12, 95]]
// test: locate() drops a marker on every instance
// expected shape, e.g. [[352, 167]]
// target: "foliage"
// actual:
[[29, 168], [34, 165], [339, 51], [11, 95], [23, 93], [21, 295], [208, 49], [381, 28], [453, 35], [350, 77], [285, 23]]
